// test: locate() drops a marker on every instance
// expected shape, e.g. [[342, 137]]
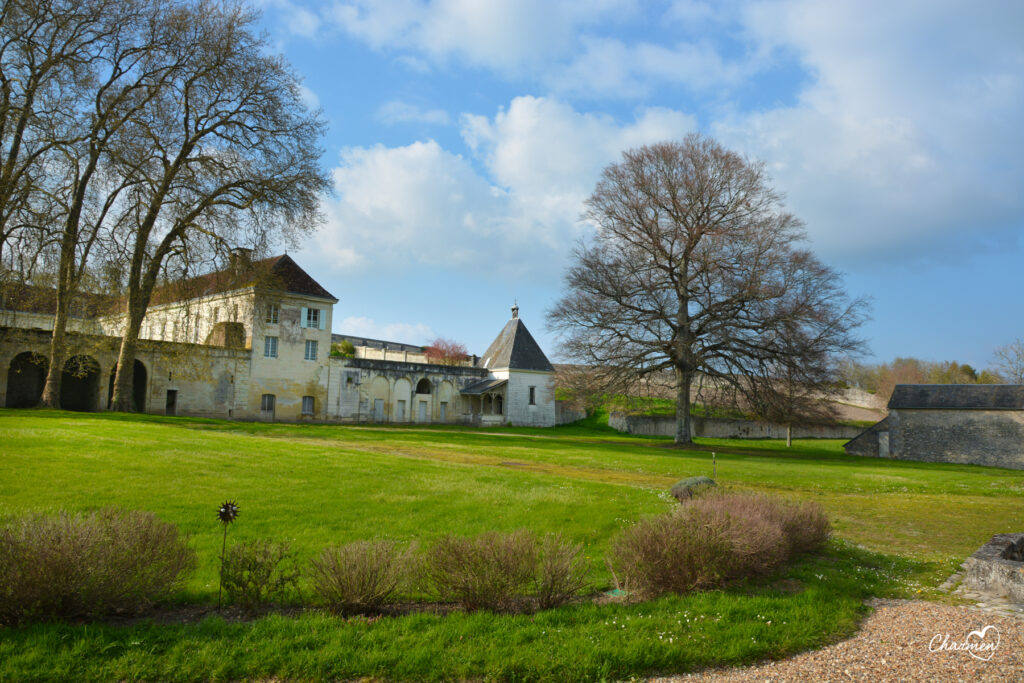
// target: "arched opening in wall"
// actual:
[[423, 386], [26, 378], [80, 384], [138, 388]]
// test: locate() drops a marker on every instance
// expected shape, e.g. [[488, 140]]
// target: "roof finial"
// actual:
[[515, 309]]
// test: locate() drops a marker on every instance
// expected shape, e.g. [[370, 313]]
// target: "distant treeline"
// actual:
[[880, 379]]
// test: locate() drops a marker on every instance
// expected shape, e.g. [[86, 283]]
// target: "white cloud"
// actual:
[[408, 333], [909, 136], [396, 111], [507, 35], [609, 67], [309, 98], [296, 19], [423, 204]]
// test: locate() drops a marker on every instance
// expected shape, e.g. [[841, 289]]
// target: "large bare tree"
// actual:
[[696, 267], [230, 154]]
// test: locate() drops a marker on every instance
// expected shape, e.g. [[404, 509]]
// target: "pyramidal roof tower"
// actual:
[[515, 349]]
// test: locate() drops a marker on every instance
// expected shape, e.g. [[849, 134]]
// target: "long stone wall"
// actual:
[[716, 428], [565, 413], [979, 437]]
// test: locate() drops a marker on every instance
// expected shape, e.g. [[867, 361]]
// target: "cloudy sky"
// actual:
[[464, 136]]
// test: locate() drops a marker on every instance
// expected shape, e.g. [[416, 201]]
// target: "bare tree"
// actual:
[[1010, 361], [229, 154], [128, 65], [696, 267]]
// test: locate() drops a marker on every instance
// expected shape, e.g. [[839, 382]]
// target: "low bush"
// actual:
[[715, 538], [256, 572], [562, 572], [359, 577], [88, 565], [492, 571], [505, 572]]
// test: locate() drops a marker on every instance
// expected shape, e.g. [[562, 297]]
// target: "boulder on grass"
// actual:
[[685, 489]]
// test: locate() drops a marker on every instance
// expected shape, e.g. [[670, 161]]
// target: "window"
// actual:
[[273, 313], [310, 349], [307, 405], [270, 347], [312, 318], [533, 396]]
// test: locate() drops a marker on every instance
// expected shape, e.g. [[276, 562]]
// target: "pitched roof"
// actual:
[[483, 386], [958, 396], [515, 349], [277, 272]]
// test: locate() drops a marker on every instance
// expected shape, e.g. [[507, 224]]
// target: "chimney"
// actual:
[[240, 258]]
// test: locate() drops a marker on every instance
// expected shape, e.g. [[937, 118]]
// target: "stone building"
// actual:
[[978, 424], [254, 342]]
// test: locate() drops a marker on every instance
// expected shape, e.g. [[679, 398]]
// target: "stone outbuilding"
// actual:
[[976, 424]]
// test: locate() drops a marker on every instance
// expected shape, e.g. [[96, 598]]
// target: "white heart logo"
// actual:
[[983, 647]]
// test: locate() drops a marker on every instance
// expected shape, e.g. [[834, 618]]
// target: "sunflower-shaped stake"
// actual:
[[227, 513]]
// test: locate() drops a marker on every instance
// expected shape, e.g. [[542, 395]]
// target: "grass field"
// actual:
[[900, 527]]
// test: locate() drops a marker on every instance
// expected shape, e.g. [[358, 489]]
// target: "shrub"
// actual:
[[672, 553], [562, 572], [715, 538], [359, 577], [256, 571], [87, 565], [492, 571]]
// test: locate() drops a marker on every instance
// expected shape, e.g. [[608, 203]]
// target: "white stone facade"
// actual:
[[265, 354]]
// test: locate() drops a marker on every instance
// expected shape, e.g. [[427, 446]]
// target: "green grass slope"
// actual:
[[900, 527]]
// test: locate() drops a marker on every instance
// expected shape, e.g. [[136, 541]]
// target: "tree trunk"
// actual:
[[789, 435], [124, 381], [684, 379], [55, 370]]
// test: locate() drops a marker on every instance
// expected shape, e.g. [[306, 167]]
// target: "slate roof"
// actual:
[[483, 386], [515, 349], [376, 343], [958, 396], [278, 272]]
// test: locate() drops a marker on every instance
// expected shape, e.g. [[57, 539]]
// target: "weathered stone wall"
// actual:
[[517, 398], [209, 381], [979, 437], [714, 428], [357, 383], [566, 413], [866, 443]]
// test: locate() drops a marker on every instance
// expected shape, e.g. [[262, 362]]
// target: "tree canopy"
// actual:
[[696, 267]]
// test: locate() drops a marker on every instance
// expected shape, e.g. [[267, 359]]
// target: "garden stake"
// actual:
[[226, 514]]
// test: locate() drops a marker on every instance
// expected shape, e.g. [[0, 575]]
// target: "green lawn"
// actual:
[[900, 527]]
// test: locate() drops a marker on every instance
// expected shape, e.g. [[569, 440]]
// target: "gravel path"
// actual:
[[893, 645]]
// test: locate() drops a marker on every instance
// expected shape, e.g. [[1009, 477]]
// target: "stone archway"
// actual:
[[80, 384], [26, 378], [139, 378], [423, 386]]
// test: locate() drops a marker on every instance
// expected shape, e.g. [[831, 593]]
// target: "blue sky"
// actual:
[[464, 137]]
